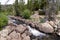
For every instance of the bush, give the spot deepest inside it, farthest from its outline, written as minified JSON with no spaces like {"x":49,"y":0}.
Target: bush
{"x":26,"y":14}
{"x":3,"y":20}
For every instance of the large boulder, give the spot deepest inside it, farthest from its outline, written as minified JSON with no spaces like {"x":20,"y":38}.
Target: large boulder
{"x":45,"y":27}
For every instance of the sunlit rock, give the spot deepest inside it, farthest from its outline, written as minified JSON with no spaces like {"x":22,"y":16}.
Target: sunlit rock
{"x":4,"y":33}
{"x":20,"y":28}
{"x":46,"y":27}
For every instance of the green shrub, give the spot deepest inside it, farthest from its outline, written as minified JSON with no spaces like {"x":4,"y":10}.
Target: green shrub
{"x":26,"y":14}
{"x":3,"y":20}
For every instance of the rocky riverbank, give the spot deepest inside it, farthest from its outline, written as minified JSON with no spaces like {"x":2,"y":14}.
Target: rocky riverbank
{"x":19,"y":31}
{"x":47,"y":27}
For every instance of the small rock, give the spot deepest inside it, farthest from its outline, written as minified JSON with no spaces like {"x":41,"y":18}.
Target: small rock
{"x":32,"y":24}
{"x":26,"y":38}
{"x":53,"y":24}
{"x":24,"y":35}
{"x":20,"y":28}
{"x":13,"y":34}
{"x":14,"y":39}
{"x":58,"y":32}
{"x":4,"y":33}
{"x":28,"y":33}
{"x":8,"y":38}
{"x":10,"y":29}
{"x":19,"y":36}
{"x":2,"y":38}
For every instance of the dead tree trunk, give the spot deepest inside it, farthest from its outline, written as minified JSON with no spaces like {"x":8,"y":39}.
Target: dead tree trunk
{"x":51,"y":10}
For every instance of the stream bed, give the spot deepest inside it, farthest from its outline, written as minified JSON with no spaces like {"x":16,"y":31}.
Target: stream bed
{"x":51,"y":36}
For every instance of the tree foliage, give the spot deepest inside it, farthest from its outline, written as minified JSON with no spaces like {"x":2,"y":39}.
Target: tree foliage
{"x":3,"y":20}
{"x":26,"y":14}
{"x":46,"y":5}
{"x":33,"y":4}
